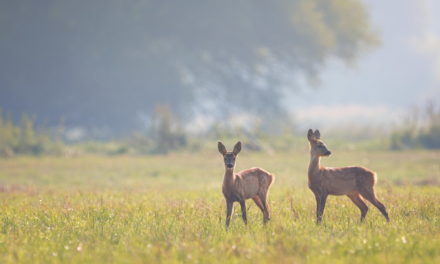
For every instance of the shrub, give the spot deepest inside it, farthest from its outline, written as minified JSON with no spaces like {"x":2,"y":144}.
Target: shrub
{"x":421,"y":130}
{"x":24,"y":138}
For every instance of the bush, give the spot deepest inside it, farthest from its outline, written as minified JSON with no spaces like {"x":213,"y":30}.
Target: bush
{"x":24,"y":138}
{"x":421,"y":130}
{"x":166,"y":130}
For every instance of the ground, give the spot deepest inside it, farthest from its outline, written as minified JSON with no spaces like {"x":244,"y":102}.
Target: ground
{"x":170,"y":209}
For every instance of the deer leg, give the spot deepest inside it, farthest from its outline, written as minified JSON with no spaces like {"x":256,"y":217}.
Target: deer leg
{"x":318,"y":208}
{"x":382,"y":209}
{"x":320,"y":205}
{"x":229,"y":208}
{"x":258,"y":203}
{"x":266,"y":213}
{"x":357,"y":200}
{"x":243,"y":211}
{"x":262,"y":208}
{"x":371,"y":196}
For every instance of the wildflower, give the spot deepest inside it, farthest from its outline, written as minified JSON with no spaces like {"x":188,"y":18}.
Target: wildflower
{"x":403,"y":239}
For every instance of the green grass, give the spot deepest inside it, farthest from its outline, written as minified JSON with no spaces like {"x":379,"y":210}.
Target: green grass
{"x":170,"y":209}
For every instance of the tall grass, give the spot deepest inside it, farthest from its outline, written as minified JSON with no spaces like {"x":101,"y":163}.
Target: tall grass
{"x":169,"y":209}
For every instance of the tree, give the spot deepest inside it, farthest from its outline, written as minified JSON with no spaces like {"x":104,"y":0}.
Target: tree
{"x":101,"y":63}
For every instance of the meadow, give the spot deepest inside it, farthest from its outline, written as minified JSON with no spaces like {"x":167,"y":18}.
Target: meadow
{"x":170,"y":209}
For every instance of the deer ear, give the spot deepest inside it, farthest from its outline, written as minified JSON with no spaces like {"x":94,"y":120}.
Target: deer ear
{"x":221,"y":148}
{"x":317,"y":134}
{"x":237,"y":148}
{"x":310,"y":135}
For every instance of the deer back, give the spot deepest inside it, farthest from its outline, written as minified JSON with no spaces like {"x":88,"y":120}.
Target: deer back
{"x":254,"y":181}
{"x":345,"y":180}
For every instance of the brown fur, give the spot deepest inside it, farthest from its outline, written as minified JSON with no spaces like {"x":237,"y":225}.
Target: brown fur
{"x":355,"y":182}
{"x":238,"y":187}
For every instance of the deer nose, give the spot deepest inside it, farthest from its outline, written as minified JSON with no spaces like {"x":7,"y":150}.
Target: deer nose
{"x":328,"y":153}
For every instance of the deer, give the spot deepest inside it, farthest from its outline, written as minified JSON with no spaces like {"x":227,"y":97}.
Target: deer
{"x":355,"y":182}
{"x":238,"y":187}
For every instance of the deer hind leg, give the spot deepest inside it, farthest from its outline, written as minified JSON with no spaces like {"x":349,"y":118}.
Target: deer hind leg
{"x":243,"y":211}
{"x":357,"y":200}
{"x":266,"y":213}
{"x":260,"y":205}
{"x":229,"y":208}
{"x":371,"y":196}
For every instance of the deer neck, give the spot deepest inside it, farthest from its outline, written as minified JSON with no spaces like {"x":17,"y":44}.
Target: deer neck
{"x":229,"y":178}
{"x":314,"y":166}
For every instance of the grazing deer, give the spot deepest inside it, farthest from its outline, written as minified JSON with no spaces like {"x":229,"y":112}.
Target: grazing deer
{"x":238,"y":187}
{"x":355,"y":182}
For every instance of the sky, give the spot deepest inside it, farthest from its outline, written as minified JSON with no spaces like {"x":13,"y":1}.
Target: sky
{"x":386,"y":82}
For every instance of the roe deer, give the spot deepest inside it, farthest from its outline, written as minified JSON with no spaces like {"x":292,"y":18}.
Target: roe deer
{"x":238,"y":187}
{"x":355,"y":182}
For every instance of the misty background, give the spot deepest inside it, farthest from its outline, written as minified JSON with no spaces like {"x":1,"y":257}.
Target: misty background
{"x":108,"y":69}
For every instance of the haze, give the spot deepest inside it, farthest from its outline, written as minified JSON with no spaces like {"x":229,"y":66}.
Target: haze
{"x":108,"y":66}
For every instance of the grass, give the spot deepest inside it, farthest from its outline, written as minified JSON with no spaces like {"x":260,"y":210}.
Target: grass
{"x":169,"y":209}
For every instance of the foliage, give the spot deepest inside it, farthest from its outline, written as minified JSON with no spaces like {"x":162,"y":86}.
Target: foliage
{"x":420,"y":130}
{"x":168,"y":133}
{"x":118,"y":60}
{"x":24,"y":138}
{"x":165,"y":134}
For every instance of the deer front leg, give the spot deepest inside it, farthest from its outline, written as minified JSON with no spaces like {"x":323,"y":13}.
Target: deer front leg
{"x":318,"y":208}
{"x":320,"y":205}
{"x":229,"y":207}
{"x":243,"y":211}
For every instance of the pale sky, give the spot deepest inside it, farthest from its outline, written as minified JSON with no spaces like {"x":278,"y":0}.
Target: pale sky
{"x":387,"y":81}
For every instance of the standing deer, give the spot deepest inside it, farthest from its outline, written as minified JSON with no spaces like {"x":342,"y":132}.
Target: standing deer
{"x":355,"y":182}
{"x":238,"y":187}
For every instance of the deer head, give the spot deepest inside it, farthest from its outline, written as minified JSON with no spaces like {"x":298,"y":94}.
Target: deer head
{"x":318,"y":147}
{"x":229,"y":157}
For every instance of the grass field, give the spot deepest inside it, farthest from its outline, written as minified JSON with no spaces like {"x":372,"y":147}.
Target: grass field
{"x":170,"y":209}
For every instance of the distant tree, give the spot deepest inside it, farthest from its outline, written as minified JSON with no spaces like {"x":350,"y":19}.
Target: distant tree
{"x":421,"y":129}
{"x":430,"y":136}
{"x":167,"y":132}
{"x":104,"y":62}
{"x":25,"y":139}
